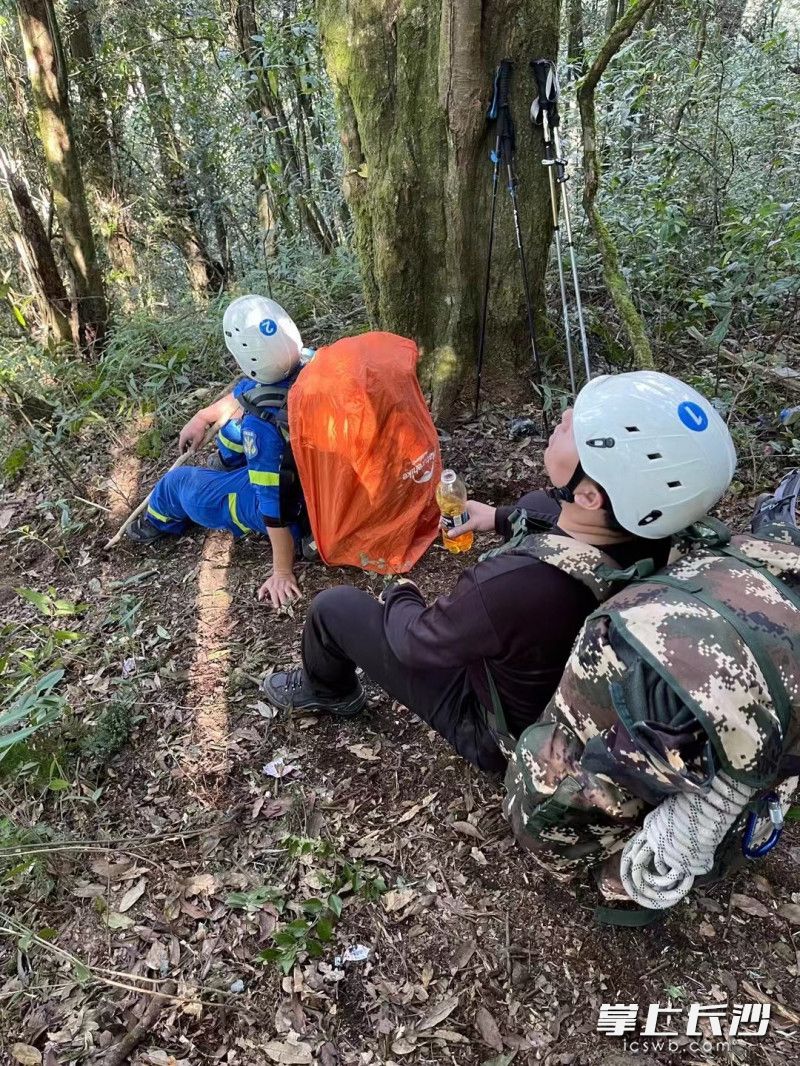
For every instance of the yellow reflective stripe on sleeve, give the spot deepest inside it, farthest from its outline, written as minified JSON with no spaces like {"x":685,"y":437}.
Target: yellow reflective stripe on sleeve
{"x":159,"y":516}
{"x":231,"y":445}
{"x":234,"y":515}
{"x":264,"y":477}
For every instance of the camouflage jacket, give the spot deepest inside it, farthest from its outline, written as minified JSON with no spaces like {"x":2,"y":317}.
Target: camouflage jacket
{"x":683,"y":673}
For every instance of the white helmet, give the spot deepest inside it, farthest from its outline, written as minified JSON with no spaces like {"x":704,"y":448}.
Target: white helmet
{"x":657,"y":448}
{"x":262,"y":338}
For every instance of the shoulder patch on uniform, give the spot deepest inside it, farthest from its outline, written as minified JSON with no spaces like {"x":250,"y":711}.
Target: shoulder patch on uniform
{"x":250,"y":442}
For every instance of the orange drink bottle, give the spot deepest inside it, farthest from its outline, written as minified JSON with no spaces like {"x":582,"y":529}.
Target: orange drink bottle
{"x":451,"y":496}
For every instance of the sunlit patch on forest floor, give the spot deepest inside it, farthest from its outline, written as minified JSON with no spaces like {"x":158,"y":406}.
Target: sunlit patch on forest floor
{"x":372,"y":834}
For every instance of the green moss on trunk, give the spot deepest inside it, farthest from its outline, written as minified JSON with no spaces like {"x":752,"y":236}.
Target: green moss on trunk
{"x":412,"y":80}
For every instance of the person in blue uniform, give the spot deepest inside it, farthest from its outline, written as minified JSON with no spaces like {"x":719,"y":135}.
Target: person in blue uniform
{"x":246,"y":491}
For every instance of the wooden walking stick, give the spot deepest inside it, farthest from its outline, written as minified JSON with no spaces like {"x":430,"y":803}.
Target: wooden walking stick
{"x":209,"y":435}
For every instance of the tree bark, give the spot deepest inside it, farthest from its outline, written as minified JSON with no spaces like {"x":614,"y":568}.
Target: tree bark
{"x":48,"y":78}
{"x":97,"y":149}
{"x":614,"y":278}
{"x":265,"y":102}
{"x":412,"y":84}
{"x":37,"y":259}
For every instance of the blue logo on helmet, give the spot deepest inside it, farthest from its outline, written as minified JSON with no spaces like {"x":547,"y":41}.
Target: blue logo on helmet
{"x":268,"y":327}
{"x":693,"y":416}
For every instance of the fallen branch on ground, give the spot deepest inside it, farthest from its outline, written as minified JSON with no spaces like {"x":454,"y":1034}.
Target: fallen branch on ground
{"x":125,"y":1048}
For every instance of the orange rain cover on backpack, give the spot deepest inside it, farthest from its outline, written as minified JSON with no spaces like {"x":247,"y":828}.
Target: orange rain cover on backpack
{"x":367,"y":453}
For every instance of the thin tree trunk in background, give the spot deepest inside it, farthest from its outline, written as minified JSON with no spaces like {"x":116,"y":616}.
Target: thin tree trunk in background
{"x":326,"y":171}
{"x":576,"y":46}
{"x":97,"y":150}
{"x":184,"y":228}
{"x":210,"y":181}
{"x":616,"y":284}
{"x":612,"y":7}
{"x":48,"y":78}
{"x":38,"y":261}
{"x":412,"y":85}
{"x":266,"y":104}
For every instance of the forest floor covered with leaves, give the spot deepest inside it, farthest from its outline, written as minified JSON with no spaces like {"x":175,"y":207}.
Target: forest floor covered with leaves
{"x":174,"y":830}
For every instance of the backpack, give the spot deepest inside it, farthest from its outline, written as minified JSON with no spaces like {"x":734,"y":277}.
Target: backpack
{"x":367,"y":453}
{"x":681,"y":675}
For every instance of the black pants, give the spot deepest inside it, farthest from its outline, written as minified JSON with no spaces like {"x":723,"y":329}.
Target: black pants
{"x":344,"y":629}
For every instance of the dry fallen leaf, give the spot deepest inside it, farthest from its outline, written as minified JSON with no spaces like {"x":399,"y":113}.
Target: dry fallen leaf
{"x":463,"y":955}
{"x":361,"y":751}
{"x":114,"y":920}
{"x":412,"y":812}
{"x":437,"y":1014}
{"x":468,"y":829}
{"x":157,"y":958}
{"x":397,"y":899}
{"x":487,"y":1027}
{"x":112,"y":871}
{"x":749,"y":905}
{"x":286,"y":1052}
{"x":201,"y":885}
{"x":790,"y":911}
{"x":328,"y":1055}
{"x":27,"y":1054}
{"x":707,"y":929}
{"x":134,"y":893}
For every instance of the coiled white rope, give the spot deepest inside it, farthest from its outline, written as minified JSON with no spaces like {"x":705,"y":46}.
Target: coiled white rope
{"x":678,"y":842}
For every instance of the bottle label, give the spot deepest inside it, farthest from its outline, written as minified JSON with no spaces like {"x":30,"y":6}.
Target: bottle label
{"x":453,"y":521}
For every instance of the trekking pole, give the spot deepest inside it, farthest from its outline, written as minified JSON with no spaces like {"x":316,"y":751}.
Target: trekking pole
{"x":491,"y":115}
{"x":507,"y":142}
{"x":545,"y":107}
{"x":541,"y":110}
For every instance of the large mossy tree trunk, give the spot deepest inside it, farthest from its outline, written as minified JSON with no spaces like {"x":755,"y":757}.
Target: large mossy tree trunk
{"x":412,"y":82}
{"x":48,"y":77}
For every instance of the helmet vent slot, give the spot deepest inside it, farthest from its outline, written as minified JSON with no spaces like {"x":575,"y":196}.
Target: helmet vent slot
{"x":648,"y":519}
{"x":632,"y":429}
{"x":654,"y":455}
{"x":673,"y":484}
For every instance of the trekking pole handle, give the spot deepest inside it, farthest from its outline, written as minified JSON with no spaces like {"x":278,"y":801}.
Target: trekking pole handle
{"x":546,"y":77}
{"x":503,"y":83}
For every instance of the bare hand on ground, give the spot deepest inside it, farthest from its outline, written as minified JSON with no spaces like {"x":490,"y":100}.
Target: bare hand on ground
{"x":280,"y":588}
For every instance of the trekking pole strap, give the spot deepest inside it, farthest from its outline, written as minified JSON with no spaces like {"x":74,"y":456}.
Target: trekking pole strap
{"x":544,"y":73}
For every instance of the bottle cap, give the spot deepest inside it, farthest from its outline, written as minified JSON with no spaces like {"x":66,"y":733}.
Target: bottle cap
{"x":448,"y":477}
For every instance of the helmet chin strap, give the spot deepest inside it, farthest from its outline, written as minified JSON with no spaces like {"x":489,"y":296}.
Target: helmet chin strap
{"x":566,"y":493}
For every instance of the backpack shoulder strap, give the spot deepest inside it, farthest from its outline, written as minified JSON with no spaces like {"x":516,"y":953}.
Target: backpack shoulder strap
{"x":586,"y":563}
{"x":589,"y":565}
{"x":269,"y":403}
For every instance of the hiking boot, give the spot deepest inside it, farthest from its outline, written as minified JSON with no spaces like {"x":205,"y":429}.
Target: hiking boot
{"x":289,"y":690}
{"x":142,"y":531}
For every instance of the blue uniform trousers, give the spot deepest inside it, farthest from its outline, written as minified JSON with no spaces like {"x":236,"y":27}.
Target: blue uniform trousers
{"x":216,"y":499}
